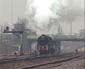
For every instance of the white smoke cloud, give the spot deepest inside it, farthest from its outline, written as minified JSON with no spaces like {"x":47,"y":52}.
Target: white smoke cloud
{"x":39,"y":13}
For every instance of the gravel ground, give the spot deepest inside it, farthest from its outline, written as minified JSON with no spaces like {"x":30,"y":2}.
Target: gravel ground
{"x":79,"y":64}
{"x":23,"y":64}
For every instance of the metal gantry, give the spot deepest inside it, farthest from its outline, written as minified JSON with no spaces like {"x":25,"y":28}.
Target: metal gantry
{"x":19,"y":32}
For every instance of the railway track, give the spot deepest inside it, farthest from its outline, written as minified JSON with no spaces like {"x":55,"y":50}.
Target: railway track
{"x":38,"y":62}
{"x":2,"y":61}
{"x":50,"y":64}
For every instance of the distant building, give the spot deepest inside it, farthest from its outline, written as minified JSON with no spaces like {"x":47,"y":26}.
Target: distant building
{"x":82,"y":33}
{"x":20,"y":25}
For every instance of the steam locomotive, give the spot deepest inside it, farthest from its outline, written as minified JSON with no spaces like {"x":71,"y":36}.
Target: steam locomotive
{"x":45,"y":45}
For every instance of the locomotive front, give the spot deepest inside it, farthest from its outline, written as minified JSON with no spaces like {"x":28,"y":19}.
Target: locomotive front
{"x":45,"y":44}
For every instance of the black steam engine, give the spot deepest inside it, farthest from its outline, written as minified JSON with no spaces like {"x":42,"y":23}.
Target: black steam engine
{"x":45,"y":45}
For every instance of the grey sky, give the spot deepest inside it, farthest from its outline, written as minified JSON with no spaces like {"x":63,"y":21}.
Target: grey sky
{"x":10,"y":10}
